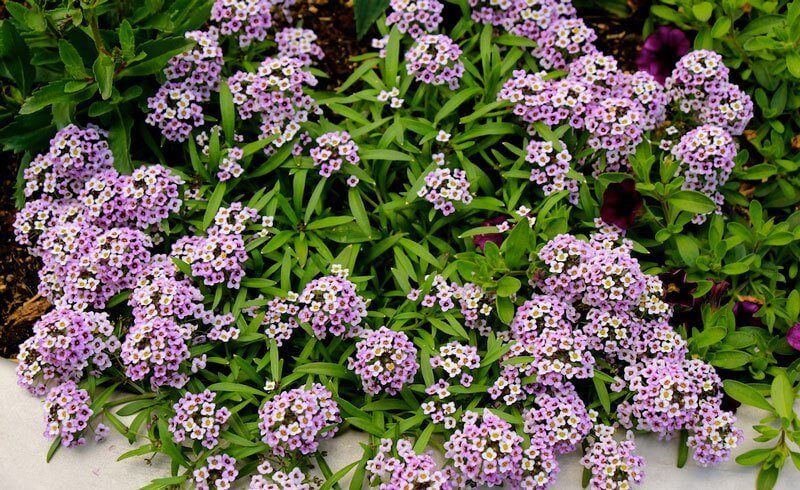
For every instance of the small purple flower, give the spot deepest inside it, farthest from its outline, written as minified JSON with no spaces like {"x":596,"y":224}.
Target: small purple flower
{"x":677,"y":290}
{"x":793,"y":336}
{"x":621,"y":204}
{"x":661,"y":51}
{"x":481,"y":240}
{"x":745,"y":312}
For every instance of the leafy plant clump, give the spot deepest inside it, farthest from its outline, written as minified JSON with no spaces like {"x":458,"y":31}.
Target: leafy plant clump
{"x":469,"y":246}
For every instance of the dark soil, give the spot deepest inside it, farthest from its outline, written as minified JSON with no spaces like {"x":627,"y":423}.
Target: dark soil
{"x":20,"y":306}
{"x":335,"y":25}
{"x":617,"y":36}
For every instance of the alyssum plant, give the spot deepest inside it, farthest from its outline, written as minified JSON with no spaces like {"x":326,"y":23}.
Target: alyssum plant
{"x":421,"y":256}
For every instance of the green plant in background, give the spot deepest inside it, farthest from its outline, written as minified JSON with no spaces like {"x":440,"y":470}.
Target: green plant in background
{"x":760,"y":41}
{"x":87,"y":59}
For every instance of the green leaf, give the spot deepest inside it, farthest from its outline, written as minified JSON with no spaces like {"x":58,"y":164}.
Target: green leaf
{"x":746,"y":394}
{"x":702,"y":11}
{"x":454,"y":102}
{"x":127,"y":40}
{"x":754,"y":457}
{"x":333,"y":479}
{"x":119,"y":141}
{"x":72,"y":60}
{"x":683,"y":449}
{"x":15,"y":56}
{"x":793,"y":63}
{"x":213,"y":204}
{"x":782,"y":396}
{"x":389,"y":155}
{"x":103,"y":69}
{"x":325,"y":368}
{"x":730,"y":359}
{"x":236,"y":388}
{"x":366,"y":13}
{"x":359,"y":211}
{"x":507,"y":286}
{"x":767,"y":477}
{"x":227,"y":110}
{"x":53,"y":93}
{"x":692,"y":201}
{"x":329,"y":222}
{"x":602,"y":393}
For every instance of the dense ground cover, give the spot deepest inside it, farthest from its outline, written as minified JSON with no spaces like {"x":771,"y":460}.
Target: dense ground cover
{"x":483,"y":237}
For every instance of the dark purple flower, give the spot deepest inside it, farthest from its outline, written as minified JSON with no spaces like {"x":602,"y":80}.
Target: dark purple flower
{"x":481,"y":240}
{"x":717,"y":291}
{"x":621,"y":204}
{"x":793,"y":336}
{"x":677,"y":290}
{"x":745,"y":311}
{"x":661,"y":51}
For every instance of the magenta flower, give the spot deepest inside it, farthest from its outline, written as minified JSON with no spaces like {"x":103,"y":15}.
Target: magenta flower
{"x":793,"y":336}
{"x":621,"y":204}
{"x":481,"y":240}
{"x":745,"y":312}
{"x":661,"y":51}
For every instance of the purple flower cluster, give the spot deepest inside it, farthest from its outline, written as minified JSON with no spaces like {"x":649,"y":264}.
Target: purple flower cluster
{"x":229,"y":166}
{"x":474,"y":302}
{"x":157,"y":347}
{"x":63,"y":344}
{"x":247,"y":19}
{"x":270,"y":479}
{"x":218,"y":257}
{"x":298,"y":419}
{"x":707,"y":159}
{"x":385,"y":360}
{"x":332,"y":305}
{"x":456,"y":358}
{"x":275,"y":92}
{"x":332,"y":150}
{"x":616,"y":127}
{"x":613,"y":464}
{"x":488,"y":451}
{"x":299,"y":43}
{"x":200,"y":67}
{"x":280,"y":318}
{"x":197,"y":417}
{"x":175,"y":110}
{"x":439,"y":411}
{"x":641,"y":87}
{"x":714,"y":435}
{"x":408,"y":469}
{"x":67,"y":414}
{"x":433,"y":59}
{"x":699,"y":85}
{"x":557,"y":417}
{"x":564,"y":41}
{"x":415,"y":17}
{"x":218,"y":473}
{"x":550,"y":168}
{"x":75,"y":156}
{"x":444,"y":187}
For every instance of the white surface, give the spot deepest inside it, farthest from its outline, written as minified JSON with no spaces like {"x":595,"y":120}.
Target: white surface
{"x":94,"y":466}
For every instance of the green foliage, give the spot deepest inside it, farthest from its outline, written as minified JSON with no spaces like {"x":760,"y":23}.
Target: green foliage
{"x":760,"y":42}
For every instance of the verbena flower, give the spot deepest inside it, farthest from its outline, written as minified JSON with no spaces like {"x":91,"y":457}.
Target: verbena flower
{"x":407,"y":469}
{"x":385,"y":360}
{"x":334,"y":149}
{"x":564,"y":41}
{"x":300,"y":44}
{"x":219,"y":473}
{"x":444,"y":188}
{"x":550,"y":168}
{"x":67,"y":413}
{"x":157,"y":348}
{"x":270,"y":479}
{"x":706,"y":155}
{"x":200,"y":67}
{"x":415,"y":17}
{"x":332,"y":305}
{"x":558,"y":417}
{"x":248,"y":20}
{"x":298,"y":419}
{"x":275,"y":93}
{"x":197,"y":417}
{"x":65,"y":342}
{"x":457,"y":359}
{"x":175,"y":110}
{"x":613,"y":463}
{"x":75,"y":156}
{"x":433,"y":59}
